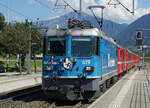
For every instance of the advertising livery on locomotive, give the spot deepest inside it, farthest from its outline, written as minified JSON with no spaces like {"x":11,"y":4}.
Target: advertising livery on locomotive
{"x":81,"y":63}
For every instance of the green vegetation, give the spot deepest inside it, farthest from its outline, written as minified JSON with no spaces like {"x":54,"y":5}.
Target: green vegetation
{"x":2,"y":23}
{"x":147,"y":58}
{"x":38,"y":63}
{"x":14,"y":40}
{"x":12,"y":65}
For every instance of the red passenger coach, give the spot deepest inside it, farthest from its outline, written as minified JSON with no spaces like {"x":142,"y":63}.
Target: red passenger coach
{"x":120,"y":60}
{"x":130,"y":60}
{"x":126,"y":60}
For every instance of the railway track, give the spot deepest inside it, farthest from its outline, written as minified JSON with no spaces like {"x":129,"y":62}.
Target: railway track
{"x":34,"y":98}
{"x":69,"y":104}
{"x":6,"y":100}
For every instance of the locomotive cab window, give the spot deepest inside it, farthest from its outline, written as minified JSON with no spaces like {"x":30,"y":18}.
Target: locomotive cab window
{"x":56,"y":46}
{"x":84,"y":46}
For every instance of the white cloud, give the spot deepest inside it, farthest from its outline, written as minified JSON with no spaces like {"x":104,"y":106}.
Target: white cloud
{"x":120,"y":14}
{"x":117,"y":14}
{"x":50,"y":18}
{"x":141,"y":11}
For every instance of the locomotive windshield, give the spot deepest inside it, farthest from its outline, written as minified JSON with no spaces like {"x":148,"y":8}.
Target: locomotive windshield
{"x":84,"y":46}
{"x":56,"y":46}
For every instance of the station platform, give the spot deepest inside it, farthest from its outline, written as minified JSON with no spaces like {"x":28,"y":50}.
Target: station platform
{"x":10,"y":82}
{"x":132,"y":91}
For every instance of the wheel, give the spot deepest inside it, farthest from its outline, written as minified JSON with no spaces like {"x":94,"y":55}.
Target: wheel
{"x":114,"y":79}
{"x":103,"y":87}
{"x":108,"y":83}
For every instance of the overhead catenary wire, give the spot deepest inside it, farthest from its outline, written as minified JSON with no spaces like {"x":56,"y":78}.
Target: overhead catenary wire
{"x":119,"y":3}
{"x":17,"y":12}
{"x":60,"y":5}
{"x":7,"y":16}
{"x":41,"y":3}
{"x":22,"y":15}
{"x":67,"y":4}
{"x":71,"y":7}
{"x":46,"y":6}
{"x":126,"y":7}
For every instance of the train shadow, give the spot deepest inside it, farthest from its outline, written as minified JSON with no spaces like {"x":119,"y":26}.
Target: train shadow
{"x":40,"y":97}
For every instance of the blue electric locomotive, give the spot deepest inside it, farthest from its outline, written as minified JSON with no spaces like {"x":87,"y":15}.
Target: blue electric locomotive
{"x":77,"y":63}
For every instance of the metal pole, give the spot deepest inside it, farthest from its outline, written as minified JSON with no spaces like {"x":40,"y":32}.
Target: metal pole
{"x":80,"y":7}
{"x":142,"y":53}
{"x":143,"y":56}
{"x":29,"y":54}
{"x":143,"y":59}
{"x":7,"y":56}
{"x":30,"y":49}
{"x":102,"y":19}
{"x":20,"y":68}
{"x":7,"y":13}
{"x":133,"y":8}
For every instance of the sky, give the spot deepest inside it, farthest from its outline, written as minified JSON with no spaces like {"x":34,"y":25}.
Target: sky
{"x":19,"y":10}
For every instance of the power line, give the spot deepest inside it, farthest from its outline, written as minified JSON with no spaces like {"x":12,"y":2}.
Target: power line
{"x":126,"y":7}
{"x":67,"y":4}
{"x":44,"y":5}
{"x":24,"y":16}
{"x":13,"y":10}
{"x":41,"y":3}
{"x":118,"y":2}
{"x":7,"y":16}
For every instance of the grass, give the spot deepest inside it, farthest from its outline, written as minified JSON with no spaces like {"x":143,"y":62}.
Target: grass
{"x":12,"y":64}
{"x":38,"y":63}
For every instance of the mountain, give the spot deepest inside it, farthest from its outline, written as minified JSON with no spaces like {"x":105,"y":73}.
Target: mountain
{"x":109,"y":27}
{"x":127,"y":36}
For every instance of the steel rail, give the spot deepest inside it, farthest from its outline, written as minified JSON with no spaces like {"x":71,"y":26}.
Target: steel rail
{"x":9,"y":98}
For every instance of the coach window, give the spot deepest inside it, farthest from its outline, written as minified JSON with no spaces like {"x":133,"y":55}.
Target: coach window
{"x":124,"y":54}
{"x":129,"y":57}
{"x":121,"y":54}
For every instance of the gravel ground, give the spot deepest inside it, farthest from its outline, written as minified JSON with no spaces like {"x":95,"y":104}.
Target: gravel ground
{"x":38,"y":100}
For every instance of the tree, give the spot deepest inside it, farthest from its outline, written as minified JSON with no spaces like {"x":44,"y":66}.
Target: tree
{"x":2,"y":24}
{"x":2,"y":21}
{"x":15,"y":39}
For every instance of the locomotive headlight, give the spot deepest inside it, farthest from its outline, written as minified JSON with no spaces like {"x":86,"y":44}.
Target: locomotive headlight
{"x":47,"y":68}
{"x":89,"y":68}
